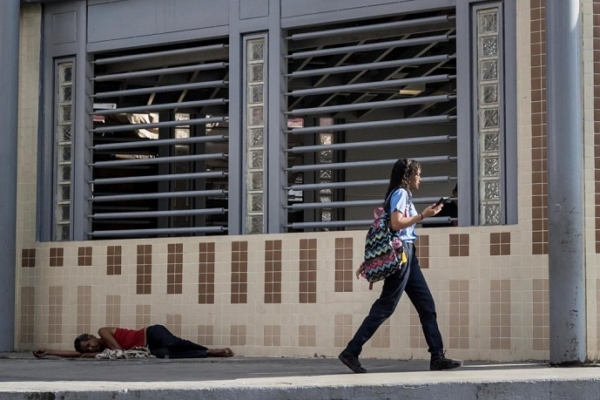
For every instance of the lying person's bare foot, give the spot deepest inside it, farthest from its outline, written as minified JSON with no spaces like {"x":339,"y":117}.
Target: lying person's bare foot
{"x":227,"y":352}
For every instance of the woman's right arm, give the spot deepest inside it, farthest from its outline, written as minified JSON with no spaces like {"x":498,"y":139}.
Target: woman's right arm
{"x":399,"y":221}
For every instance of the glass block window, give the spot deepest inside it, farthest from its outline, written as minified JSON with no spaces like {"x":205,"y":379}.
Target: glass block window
{"x":63,"y":140}
{"x":489,"y":111}
{"x":254,"y":127}
{"x":325,"y":176}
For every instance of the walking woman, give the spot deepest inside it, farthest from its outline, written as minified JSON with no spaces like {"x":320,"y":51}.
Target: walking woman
{"x":406,"y":176}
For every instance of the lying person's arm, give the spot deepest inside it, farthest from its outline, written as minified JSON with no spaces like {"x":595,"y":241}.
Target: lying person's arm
{"x":107,"y":336}
{"x":41,"y":353}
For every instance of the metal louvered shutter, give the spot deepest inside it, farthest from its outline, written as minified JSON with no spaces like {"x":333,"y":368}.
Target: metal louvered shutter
{"x":160,"y":142}
{"x":361,"y":95}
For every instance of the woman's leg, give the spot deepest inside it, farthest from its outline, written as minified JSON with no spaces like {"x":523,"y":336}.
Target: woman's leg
{"x":419,"y":294}
{"x":381,"y":310}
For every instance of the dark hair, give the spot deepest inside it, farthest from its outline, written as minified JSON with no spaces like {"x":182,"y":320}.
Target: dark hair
{"x":84,"y":337}
{"x":402,"y":172}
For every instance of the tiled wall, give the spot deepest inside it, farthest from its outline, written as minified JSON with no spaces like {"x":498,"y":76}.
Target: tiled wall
{"x":296,"y":294}
{"x":591,"y":123}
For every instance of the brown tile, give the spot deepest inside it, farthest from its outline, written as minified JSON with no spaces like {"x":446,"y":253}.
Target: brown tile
{"x":458,"y":317}
{"x":500,"y":314}
{"x":307,"y":271}
{"x":26,"y":326}
{"x":343,"y":265}
{"x":307,"y":336}
{"x":175,"y":268}
{"x":84,"y":309}
{"x":237,"y":335}
{"x":342,"y":332}
{"x":113,"y":310}
{"x":454,"y":251}
{"x":272,"y":335}
{"x":206,"y":335}
{"x":143,"y":315}
{"x":422,"y":251}
{"x":538,"y":152}
{"x":28,"y":258}
{"x":84,"y":256}
{"x":540,"y":319}
{"x":494,"y":250}
{"x":239,"y":272}
{"x":273,"y":267}
{"x":144,"y":269}
{"x":454,"y":239}
{"x":494,"y":238}
{"x":55,"y":312}
{"x":174,"y":323}
{"x":417,"y":340}
{"x":113,"y":260}
{"x":56,"y":256}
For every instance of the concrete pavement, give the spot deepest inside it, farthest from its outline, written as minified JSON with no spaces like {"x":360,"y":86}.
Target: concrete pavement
{"x":24,"y":377}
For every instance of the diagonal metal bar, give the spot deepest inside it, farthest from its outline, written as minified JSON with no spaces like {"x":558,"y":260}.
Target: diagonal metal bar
{"x":321,"y":101}
{"x":386,"y":75}
{"x":332,"y":62}
{"x":421,"y":71}
{"x":416,"y":110}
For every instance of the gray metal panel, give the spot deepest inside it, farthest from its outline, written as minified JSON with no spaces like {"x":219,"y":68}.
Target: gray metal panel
{"x":277,"y":123}
{"x":343,"y":10}
{"x":138,"y":18}
{"x":465,"y":150}
{"x":61,"y":28}
{"x":82,"y":142}
{"x":165,"y":38}
{"x":45,"y":142}
{"x":64,"y":27}
{"x":510,"y":111}
{"x":254,"y":9}
{"x":235,"y":216}
{"x":9,"y":100}
{"x":294,"y":8}
{"x":56,"y":44}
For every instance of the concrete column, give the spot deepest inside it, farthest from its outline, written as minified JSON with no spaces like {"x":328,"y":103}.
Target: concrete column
{"x":565,"y":182}
{"x":9,"y":100}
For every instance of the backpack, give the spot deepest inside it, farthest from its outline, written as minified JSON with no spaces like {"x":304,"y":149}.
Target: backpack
{"x":383,"y":250}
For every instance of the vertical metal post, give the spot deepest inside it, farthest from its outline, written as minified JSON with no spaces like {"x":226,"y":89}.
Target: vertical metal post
{"x":236,"y":148}
{"x":277,"y":123}
{"x":82,"y":139}
{"x":565,"y":183}
{"x":9,"y":99}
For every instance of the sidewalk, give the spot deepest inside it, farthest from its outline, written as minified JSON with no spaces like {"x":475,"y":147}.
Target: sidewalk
{"x":24,"y":377}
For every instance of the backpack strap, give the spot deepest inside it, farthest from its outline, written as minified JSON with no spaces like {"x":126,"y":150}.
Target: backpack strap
{"x":388,"y":199}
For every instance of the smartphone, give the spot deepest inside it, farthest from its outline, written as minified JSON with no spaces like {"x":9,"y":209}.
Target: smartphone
{"x":442,"y":200}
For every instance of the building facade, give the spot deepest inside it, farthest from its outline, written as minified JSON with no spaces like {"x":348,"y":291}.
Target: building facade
{"x":212,"y":166}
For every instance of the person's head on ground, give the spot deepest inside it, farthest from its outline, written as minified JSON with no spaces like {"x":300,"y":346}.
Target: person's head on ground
{"x":86,"y":343}
{"x":406,"y":174}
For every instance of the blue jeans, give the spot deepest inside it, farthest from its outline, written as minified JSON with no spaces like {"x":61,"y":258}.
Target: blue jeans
{"x":162,"y":343}
{"x":413,"y":283}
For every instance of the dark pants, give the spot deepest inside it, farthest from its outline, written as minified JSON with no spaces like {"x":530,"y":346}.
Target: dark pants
{"x":162,"y":343}
{"x":413,"y":282}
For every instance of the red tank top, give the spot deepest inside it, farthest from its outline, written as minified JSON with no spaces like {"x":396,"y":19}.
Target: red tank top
{"x":129,"y":338}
